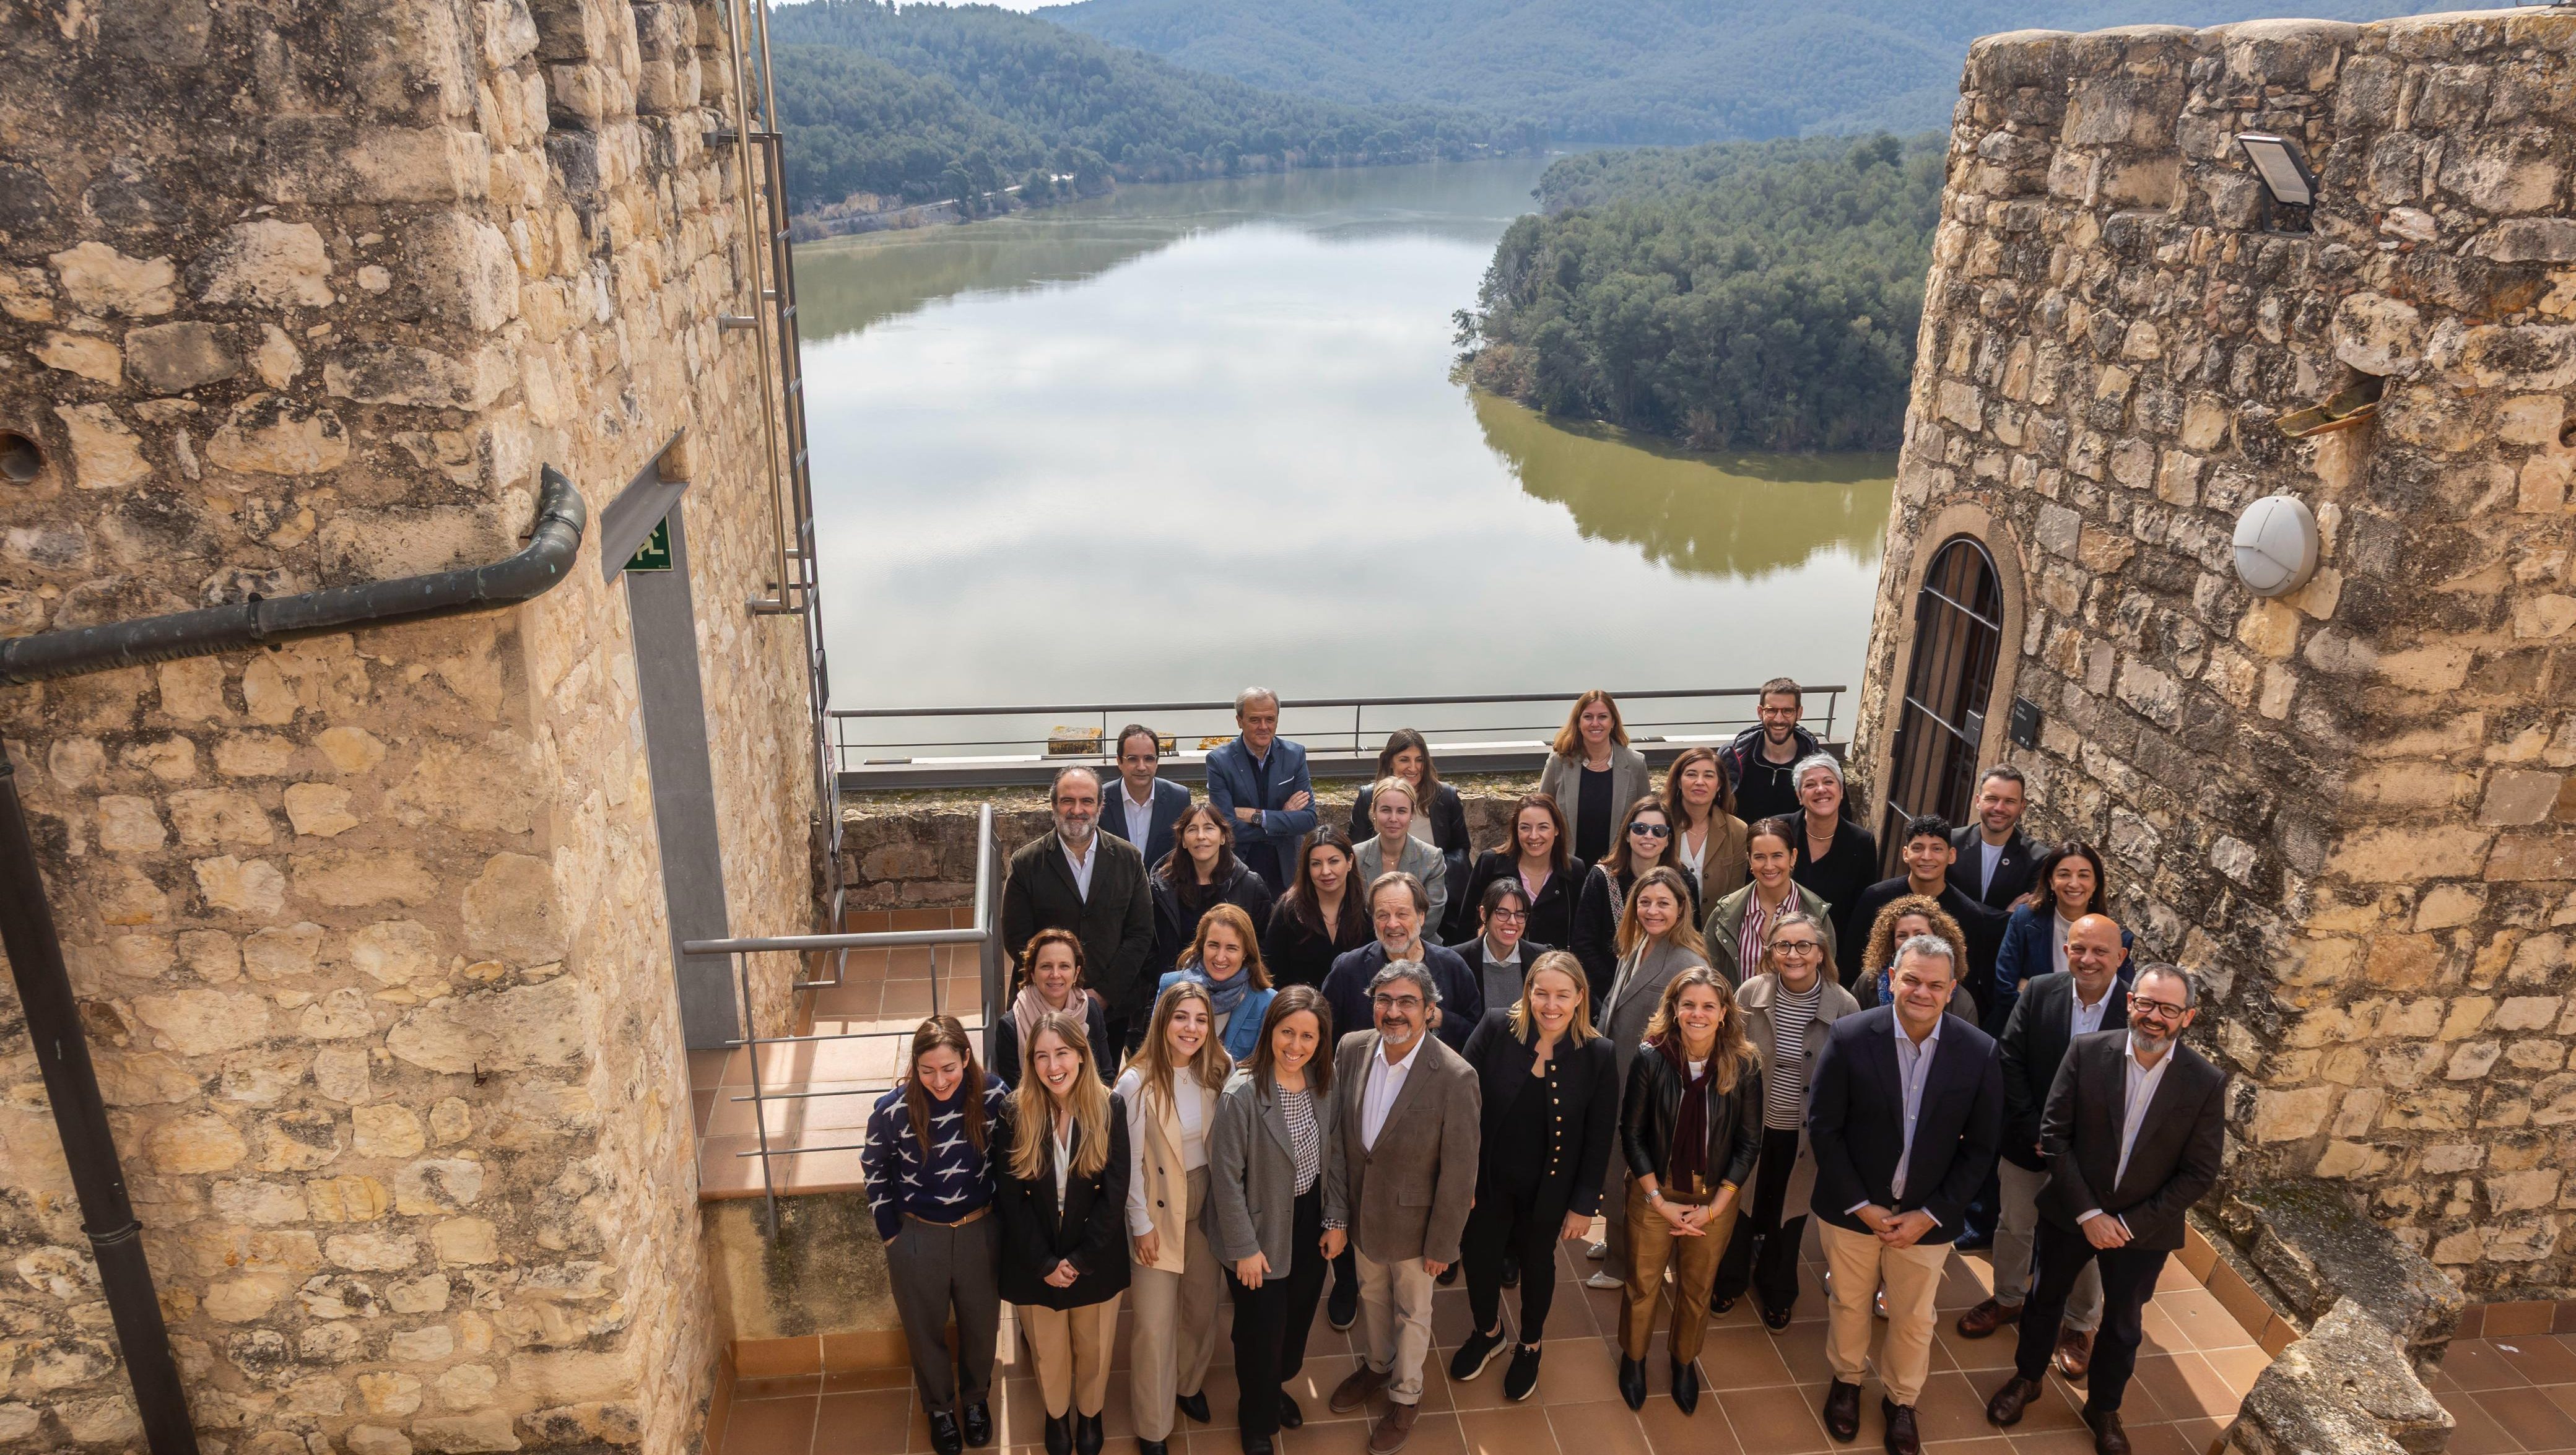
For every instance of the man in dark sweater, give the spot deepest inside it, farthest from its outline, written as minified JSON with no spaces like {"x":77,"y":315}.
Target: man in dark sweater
{"x":1928,"y":857}
{"x":1759,"y":760}
{"x":1080,"y":879}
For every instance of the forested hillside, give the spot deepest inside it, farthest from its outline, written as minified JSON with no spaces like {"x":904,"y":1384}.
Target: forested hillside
{"x":1738,"y":295}
{"x":927,"y":100}
{"x":1636,"y":70}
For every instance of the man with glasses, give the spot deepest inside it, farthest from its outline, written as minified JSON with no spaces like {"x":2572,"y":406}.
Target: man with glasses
{"x":1079,"y":879}
{"x":1789,"y":1010}
{"x":2052,"y":1012}
{"x":1138,"y":805}
{"x":1759,"y":761}
{"x":1259,"y":782}
{"x":2133,"y":1132}
{"x":1400,"y":1174}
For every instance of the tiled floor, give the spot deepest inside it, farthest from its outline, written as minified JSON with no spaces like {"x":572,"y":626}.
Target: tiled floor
{"x":1760,"y":1398}
{"x":2510,"y":1393}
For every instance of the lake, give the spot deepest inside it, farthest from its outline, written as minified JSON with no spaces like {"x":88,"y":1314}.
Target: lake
{"x":1170,"y":441}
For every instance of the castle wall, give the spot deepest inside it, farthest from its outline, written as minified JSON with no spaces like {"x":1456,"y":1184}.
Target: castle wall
{"x":2349,"y":807}
{"x":368,"y":931}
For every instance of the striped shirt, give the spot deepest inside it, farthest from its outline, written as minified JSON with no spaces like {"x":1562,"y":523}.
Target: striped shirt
{"x":1784,"y":1079}
{"x":1305,"y":1141}
{"x":1757,"y":918}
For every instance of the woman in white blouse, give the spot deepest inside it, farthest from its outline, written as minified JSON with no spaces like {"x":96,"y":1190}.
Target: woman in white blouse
{"x":1170,"y":1088}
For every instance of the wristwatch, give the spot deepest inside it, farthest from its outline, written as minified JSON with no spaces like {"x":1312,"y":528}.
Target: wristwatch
{"x":1654,"y":1194}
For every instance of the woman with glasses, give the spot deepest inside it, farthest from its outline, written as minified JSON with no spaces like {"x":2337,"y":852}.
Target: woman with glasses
{"x":1645,"y":845}
{"x":1837,"y":858}
{"x":1789,"y":1009}
{"x":1537,"y":855}
{"x":1740,"y":924}
{"x":1593,"y":773}
{"x":1708,"y":839}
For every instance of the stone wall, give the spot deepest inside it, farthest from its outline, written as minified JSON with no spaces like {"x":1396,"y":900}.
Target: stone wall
{"x":368,"y":931}
{"x":2349,"y":806}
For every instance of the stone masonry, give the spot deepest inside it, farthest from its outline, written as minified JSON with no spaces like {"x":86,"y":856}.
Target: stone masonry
{"x":2353,"y":808}
{"x":368,"y":931}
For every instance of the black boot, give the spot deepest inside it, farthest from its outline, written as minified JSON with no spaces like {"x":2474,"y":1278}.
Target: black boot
{"x":1087,"y":1435}
{"x":1686,"y":1385}
{"x":1059,"y":1434}
{"x":1632,"y":1382}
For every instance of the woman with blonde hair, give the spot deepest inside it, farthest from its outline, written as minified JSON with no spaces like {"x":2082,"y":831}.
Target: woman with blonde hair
{"x":1708,"y":839}
{"x":1049,"y":977}
{"x":1550,"y":1084}
{"x":1439,"y":817}
{"x":1170,"y":1088}
{"x":1224,"y":959}
{"x":1901,"y":919}
{"x":1690,"y":1122}
{"x":1062,"y":1165}
{"x":1592,"y":773}
{"x":1656,"y":942}
{"x":1394,"y":809}
{"x":927,"y":1164}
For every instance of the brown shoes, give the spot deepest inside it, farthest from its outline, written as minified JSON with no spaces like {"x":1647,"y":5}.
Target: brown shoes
{"x":2006,"y":1407}
{"x":1985,"y":1318}
{"x":2074,"y":1355}
{"x":2108,"y":1437}
{"x":1396,"y":1426}
{"x":1359,"y":1388}
{"x":1901,"y":1436}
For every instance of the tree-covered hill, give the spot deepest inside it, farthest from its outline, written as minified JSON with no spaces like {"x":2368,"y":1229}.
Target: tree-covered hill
{"x":922,"y":100}
{"x":1737,"y":295}
{"x":1637,"y":70}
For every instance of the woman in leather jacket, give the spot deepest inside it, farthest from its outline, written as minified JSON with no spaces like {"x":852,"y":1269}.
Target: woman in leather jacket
{"x":1691,"y":1126}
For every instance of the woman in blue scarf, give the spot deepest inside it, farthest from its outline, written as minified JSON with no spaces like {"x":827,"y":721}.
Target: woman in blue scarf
{"x":1225,"y":957}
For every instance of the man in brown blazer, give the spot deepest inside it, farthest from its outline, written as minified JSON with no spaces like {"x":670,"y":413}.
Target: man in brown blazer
{"x":1410,"y":1128}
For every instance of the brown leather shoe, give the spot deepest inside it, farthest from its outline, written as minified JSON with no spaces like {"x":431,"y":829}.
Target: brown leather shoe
{"x":1985,"y":1318}
{"x":1359,"y":1387}
{"x":2108,"y":1436}
{"x":2074,"y":1354}
{"x":1901,"y":1436}
{"x":1842,"y":1410}
{"x":2006,"y":1407}
{"x":1396,"y":1426}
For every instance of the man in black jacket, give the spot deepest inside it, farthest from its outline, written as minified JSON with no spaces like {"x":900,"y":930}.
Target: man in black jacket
{"x":1995,"y":861}
{"x":1398,"y":905}
{"x":1080,"y":879}
{"x":1928,"y":856}
{"x":1136,"y":805}
{"x":1759,"y":760}
{"x":2052,"y":1011}
{"x":2133,"y":1132}
{"x":1904,"y":1117}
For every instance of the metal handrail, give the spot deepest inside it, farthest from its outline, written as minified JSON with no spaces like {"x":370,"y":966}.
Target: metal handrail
{"x":739,"y":949}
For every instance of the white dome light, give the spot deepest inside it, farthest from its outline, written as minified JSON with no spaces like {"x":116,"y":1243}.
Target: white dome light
{"x":2276,"y":545}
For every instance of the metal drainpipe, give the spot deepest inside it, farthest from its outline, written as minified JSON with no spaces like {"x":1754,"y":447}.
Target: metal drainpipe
{"x":35,"y":950}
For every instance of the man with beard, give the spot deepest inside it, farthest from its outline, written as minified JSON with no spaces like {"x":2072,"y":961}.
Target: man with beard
{"x":1092,"y":884}
{"x":2133,"y":1133}
{"x":1995,"y":861}
{"x":1758,"y":762}
{"x":1401,"y":1177}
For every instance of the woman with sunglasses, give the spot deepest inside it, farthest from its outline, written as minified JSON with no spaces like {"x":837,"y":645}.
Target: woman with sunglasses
{"x":1645,"y":844}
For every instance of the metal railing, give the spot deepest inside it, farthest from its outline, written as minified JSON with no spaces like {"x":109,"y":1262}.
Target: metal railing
{"x":1491,"y":732}
{"x":984,"y":933}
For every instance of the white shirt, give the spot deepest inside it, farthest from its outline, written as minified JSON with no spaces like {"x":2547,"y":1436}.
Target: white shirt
{"x":1082,"y":866}
{"x":2137,"y":1092}
{"x":2057,"y":936}
{"x":2088,"y":1018}
{"x":1140,"y":816}
{"x":1688,"y":857}
{"x":1385,"y":1084}
{"x":1913,"y":1069}
{"x":1988,"y":857}
{"x":1063,"y":1160}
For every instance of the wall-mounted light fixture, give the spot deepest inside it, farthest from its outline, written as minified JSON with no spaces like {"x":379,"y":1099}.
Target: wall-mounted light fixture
{"x":2287,"y":183}
{"x":2276,"y":545}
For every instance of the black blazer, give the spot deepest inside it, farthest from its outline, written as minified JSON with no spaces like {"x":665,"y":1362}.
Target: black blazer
{"x":1848,"y":869}
{"x":1595,"y":938}
{"x":1983,"y":927}
{"x":1652,"y":1106}
{"x":1448,"y":835}
{"x":1090,"y":1229}
{"x":1551,"y":920}
{"x":1856,"y":1122}
{"x":1006,"y":1044}
{"x":1174,"y":929}
{"x":1169,"y":799}
{"x":2012,"y":872}
{"x":2033,"y":1047}
{"x":1116,"y":925}
{"x":1470,"y":948}
{"x":1587,"y":1102}
{"x":1297,"y":955}
{"x":2174,"y":1163}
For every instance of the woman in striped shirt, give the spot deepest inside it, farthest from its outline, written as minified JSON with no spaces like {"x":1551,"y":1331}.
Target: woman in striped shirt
{"x":1740,"y":924}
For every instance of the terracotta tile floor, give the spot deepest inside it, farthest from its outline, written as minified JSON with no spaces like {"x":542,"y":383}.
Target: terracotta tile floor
{"x":2510,"y":1394}
{"x":1761,"y":1394}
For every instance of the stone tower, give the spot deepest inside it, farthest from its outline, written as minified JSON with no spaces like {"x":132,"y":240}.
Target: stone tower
{"x":370,"y":932}
{"x":2350,"y":807}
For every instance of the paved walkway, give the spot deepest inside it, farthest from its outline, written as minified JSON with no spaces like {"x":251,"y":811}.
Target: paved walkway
{"x":2512,"y":1394}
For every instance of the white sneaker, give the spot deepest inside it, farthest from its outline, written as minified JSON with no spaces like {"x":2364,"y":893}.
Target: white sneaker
{"x":1603,"y":1280}
{"x":1596,"y":1251}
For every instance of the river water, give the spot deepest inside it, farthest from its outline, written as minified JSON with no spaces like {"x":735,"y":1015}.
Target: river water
{"x":1185,"y":437}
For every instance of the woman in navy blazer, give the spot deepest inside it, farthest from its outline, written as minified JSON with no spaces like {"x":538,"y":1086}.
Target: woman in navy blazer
{"x":2066,"y":885}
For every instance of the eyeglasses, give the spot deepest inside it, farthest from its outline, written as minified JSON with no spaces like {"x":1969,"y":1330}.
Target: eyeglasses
{"x":2163,"y":1010}
{"x":1797,"y":947}
{"x":1396,"y":1002}
{"x":1651,"y":830}
{"x":1510,"y":914}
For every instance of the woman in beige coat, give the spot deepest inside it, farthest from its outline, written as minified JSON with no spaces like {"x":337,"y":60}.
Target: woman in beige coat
{"x":1170,"y":1089}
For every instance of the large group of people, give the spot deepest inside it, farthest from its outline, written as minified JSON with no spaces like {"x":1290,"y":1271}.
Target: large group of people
{"x":1251,"y":1054}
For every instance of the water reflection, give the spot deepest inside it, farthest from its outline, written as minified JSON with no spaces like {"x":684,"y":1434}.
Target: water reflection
{"x":1708,"y":515}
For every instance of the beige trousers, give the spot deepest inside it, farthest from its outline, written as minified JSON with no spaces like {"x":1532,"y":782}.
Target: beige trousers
{"x":1913,"y":1276}
{"x":1175,"y":1333}
{"x":1395,"y":1322}
{"x":1072,"y":1349}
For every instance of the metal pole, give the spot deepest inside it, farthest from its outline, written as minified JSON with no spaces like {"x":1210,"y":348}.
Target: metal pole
{"x":80,"y":1115}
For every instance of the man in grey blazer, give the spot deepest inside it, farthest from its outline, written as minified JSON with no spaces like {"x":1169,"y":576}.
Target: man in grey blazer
{"x":1409,"y":1123}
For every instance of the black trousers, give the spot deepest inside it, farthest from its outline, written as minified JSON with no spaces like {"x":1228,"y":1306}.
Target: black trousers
{"x":1763,"y":1254}
{"x":1271,"y":1322}
{"x":1503,"y":1227}
{"x":2128,"y":1281}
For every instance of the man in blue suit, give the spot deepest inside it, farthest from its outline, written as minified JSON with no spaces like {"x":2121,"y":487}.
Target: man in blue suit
{"x":1137,"y":805}
{"x":1259,"y":782}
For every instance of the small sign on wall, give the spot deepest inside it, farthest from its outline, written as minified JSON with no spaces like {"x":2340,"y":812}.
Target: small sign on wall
{"x":2025,"y":723}
{"x":655,"y":553}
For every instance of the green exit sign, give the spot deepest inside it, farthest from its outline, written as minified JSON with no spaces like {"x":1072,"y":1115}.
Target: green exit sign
{"x":655,"y":553}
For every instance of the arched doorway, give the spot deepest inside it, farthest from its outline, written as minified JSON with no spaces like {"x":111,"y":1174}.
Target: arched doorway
{"x":1958,"y":634}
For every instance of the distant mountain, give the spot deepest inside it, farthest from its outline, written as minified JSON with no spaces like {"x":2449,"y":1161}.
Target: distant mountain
{"x":1636,"y":70}
{"x":935,"y":101}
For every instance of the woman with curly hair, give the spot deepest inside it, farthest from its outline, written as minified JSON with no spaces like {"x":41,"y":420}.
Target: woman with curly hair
{"x":1901,"y":920}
